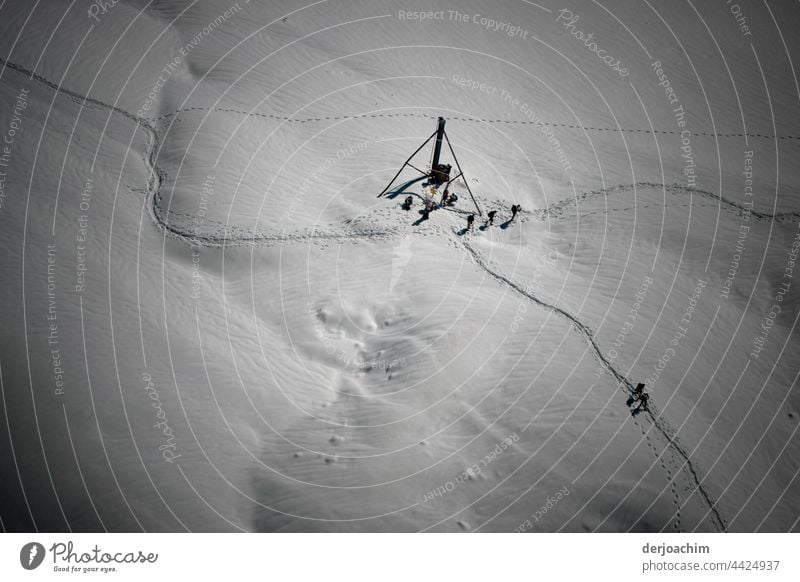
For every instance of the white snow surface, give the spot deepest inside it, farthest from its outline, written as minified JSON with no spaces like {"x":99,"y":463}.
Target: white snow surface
{"x":324,"y":363}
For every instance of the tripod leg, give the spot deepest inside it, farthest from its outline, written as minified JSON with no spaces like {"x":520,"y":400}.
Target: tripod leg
{"x":455,"y":159}
{"x":406,"y":163}
{"x":447,"y":186}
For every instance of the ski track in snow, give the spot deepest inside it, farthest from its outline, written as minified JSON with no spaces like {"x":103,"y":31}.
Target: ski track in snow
{"x":468,"y":119}
{"x":651,"y":412}
{"x":227,"y":235}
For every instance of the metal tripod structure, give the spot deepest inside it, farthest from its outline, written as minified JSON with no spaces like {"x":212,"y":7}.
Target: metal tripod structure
{"x":441,"y":135}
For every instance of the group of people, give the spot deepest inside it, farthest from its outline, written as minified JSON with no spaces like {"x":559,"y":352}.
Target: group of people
{"x":515,"y":208}
{"x":449,"y":199}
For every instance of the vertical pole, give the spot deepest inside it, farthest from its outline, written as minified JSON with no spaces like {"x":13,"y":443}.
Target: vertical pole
{"x":437,"y":150}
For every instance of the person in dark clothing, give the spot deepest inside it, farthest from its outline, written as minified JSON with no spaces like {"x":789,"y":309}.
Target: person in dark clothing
{"x":408,"y":202}
{"x":642,"y":404}
{"x":426,"y":210}
{"x":491,"y":216}
{"x":470,"y":220}
{"x":445,"y":197}
{"x":637,"y":394}
{"x":514,"y":209}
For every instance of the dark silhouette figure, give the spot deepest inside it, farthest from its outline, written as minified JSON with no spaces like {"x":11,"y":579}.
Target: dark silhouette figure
{"x":514,"y":209}
{"x":491,"y":216}
{"x":445,"y":197}
{"x":407,"y":203}
{"x":637,"y":394}
{"x":640,"y":398}
{"x":470,"y":220}
{"x":642,"y":407}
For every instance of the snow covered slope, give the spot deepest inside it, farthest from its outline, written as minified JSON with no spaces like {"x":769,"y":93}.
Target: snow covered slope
{"x":212,"y":322}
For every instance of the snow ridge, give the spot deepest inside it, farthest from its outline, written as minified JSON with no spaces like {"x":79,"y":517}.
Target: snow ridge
{"x":556,"y":209}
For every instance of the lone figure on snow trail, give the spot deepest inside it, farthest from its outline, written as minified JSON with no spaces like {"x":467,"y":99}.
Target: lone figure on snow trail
{"x":514,"y":209}
{"x":640,"y":397}
{"x":470,"y":220}
{"x":642,"y":404}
